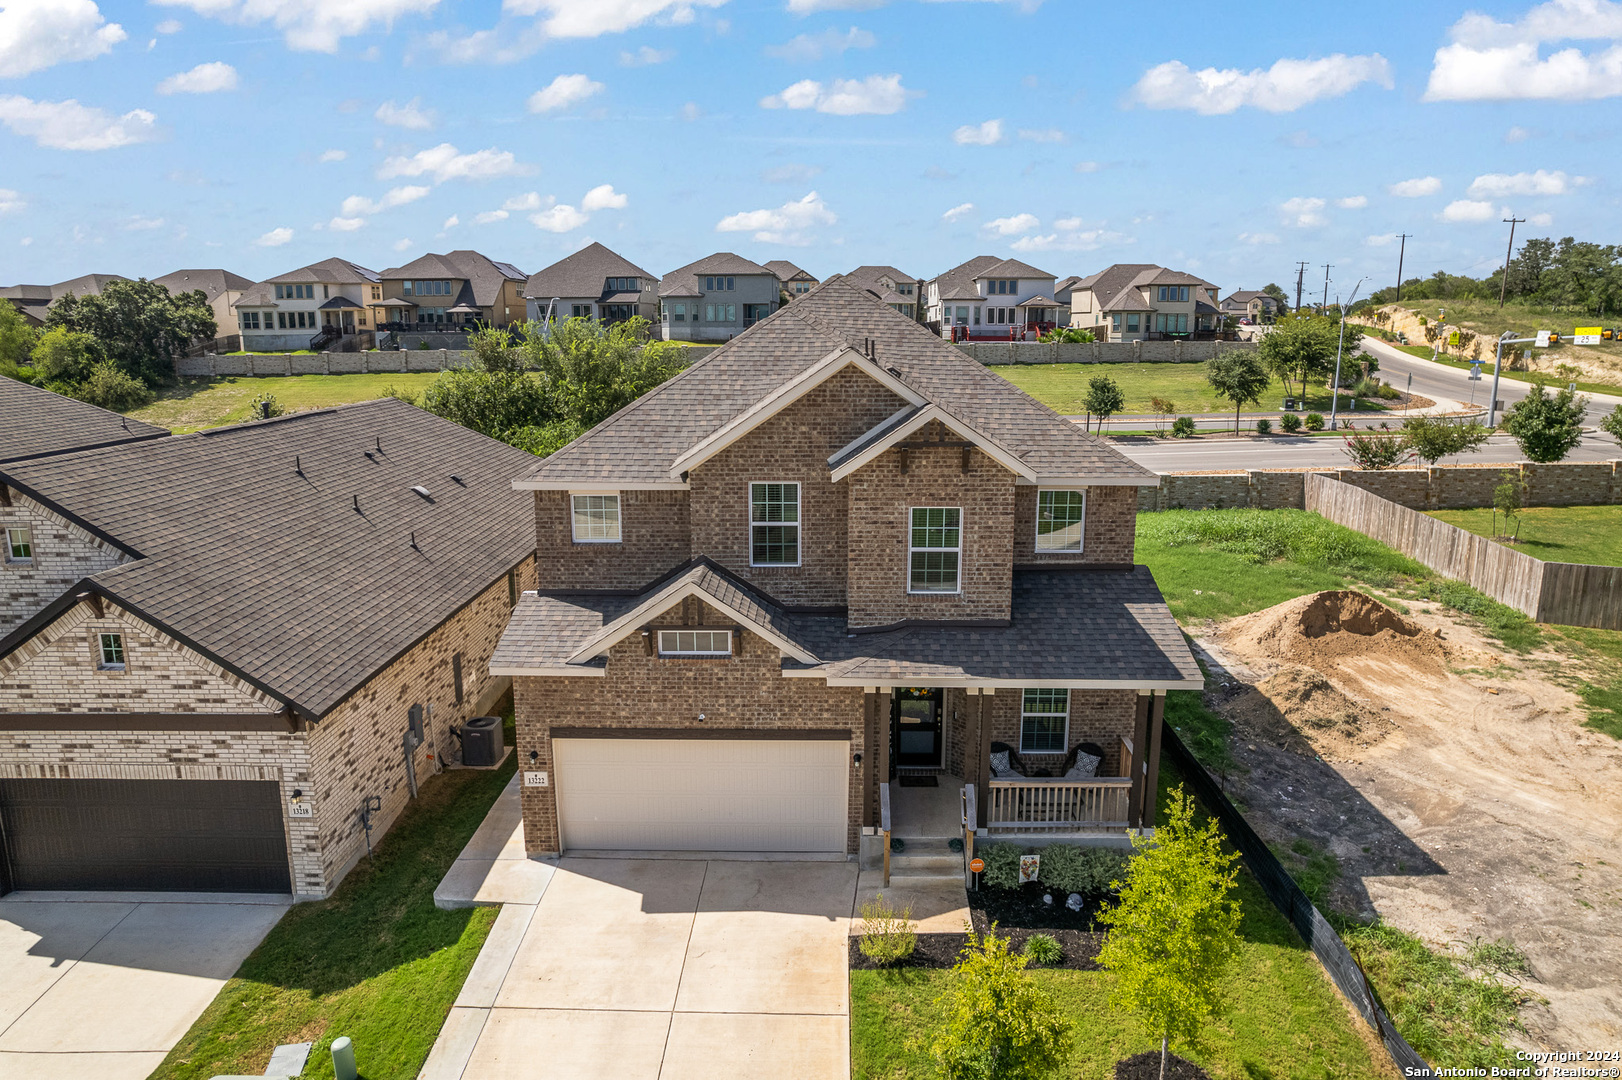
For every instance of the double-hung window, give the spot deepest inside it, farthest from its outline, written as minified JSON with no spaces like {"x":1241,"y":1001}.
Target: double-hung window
{"x":596,"y":518}
{"x":695,"y":643}
{"x":1060,"y":520}
{"x":774,"y":524}
{"x":934,"y":549}
{"x":1044,"y":721}
{"x":20,"y":545}
{"x":111,"y":648}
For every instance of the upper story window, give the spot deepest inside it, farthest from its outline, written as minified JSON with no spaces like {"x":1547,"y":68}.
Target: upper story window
{"x":111,"y":650}
{"x":426,"y":288}
{"x":596,"y":519}
{"x":295,"y":292}
{"x":1044,"y":721}
{"x":905,"y":288}
{"x":1173,"y":293}
{"x":934,"y":549}
{"x":1060,"y":520}
{"x":695,"y":643}
{"x":20,"y":545}
{"x":718,"y":284}
{"x":1002,"y":287}
{"x":774,"y":524}
{"x":624,"y":284}
{"x":377,"y":292}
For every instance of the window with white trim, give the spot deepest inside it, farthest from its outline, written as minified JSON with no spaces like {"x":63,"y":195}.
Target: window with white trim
{"x":596,"y":519}
{"x":111,"y":648}
{"x":20,"y":545}
{"x":774,"y":524}
{"x":935,"y":549}
{"x":1060,"y":519}
{"x":695,"y":643}
{"x":1044,"y":721}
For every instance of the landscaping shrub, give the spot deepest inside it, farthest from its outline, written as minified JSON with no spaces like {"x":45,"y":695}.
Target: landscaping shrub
{"x":888,"y":935}
{"x":1183,"y":427}
{"x":109,"y":388}
{"x":1264,"y":426}
{"x":1290,"y":422}
{"x":266,"y":406}
{"x":1315,"y":421}
{"x":1002,"y":865}
{"x":999,"y":1024}
{"x":1043,"y":949}
{"x":1088,"y":871}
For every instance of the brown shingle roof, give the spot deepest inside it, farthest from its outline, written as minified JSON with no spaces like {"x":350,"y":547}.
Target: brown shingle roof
{"x":212,"y":282}
{"x":326,"y":272}
{"x":582,"y":275}
{"x":35,"y":422}
{"x":958,"y":282}
{"x":483,"y":275}
{"x":787,"y":271}
{"x":684,"y":280}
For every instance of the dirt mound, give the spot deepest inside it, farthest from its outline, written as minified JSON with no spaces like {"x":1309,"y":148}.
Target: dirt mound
{"x":1324,"y":630}
{"x":1298,"y":709}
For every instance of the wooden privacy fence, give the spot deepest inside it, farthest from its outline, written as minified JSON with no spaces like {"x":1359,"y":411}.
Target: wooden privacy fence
{"x":1571,"y":594}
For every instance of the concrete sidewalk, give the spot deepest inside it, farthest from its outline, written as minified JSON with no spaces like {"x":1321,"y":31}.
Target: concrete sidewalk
{"x":492,"y":868}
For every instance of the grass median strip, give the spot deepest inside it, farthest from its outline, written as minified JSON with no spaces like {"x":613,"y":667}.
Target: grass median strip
{"x":1063,"y":387}
{"x":377,"y":962}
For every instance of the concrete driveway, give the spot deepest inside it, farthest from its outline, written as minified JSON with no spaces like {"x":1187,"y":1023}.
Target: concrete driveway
{"x":105,"y":984}
{"x":662,"y":969}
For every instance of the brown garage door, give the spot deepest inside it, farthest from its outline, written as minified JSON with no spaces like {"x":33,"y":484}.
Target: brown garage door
{"x":171,"y":835}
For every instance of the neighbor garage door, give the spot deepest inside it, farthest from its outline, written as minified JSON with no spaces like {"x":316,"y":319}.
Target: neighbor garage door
{"x":172,"y":835}
{"x":703,"y":794}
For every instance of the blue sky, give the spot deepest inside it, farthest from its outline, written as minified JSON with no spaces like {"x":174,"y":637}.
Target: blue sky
{"x":260,"y":135}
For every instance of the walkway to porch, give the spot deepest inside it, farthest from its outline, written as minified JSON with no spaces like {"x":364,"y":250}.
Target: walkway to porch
{"x":927,"y":812}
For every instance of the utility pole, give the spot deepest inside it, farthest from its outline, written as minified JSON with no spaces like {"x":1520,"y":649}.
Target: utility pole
{"x":1503,"y":283}
{"x":1300,"y":275}
{"x":1334,"y":404}
{"x":1325,"y":309}
{"x":1401,"y":251}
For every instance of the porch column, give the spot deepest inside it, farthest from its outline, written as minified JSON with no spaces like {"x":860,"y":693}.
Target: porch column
{"x":1140,"y":760}
{"x":870,"y":760}
{"x":881,"y":749}
{"x":1151,"y":782}
{"x":982,"y":770}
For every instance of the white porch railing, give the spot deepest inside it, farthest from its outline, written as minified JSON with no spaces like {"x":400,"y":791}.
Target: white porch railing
{"x":1056,"y":805}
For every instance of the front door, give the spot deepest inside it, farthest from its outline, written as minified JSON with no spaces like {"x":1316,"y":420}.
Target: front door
{"x":915,"y":724}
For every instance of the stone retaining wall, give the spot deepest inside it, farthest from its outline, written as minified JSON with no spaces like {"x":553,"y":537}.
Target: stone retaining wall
{"x":326,"y":363}
{"x":1099,"y":352}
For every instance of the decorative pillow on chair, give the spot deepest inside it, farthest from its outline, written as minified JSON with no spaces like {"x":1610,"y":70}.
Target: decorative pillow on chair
{"x":1085,"y":768}
{"x":1001,"y":769}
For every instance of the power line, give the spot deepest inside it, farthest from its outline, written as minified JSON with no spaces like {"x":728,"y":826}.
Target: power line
{"x":1503,"y":283}
{"x":1401,"y":251}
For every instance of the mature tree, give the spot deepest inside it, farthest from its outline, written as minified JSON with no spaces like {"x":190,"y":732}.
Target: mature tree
{"x":1104,"y":398}
{"x":1547,"y":427}
{"x":108,"y":387}
{"x":999,"y":1024}
{"x":1272,"y":289}
{"x":64,"y":357}
{"x":17,"y":338}
{"x":490,"y":402}
{"x":1432,"y":438}
{"x":591,"y":371}
{"x":1239,"y":377}
{"x":141,"y":327}
{"x":1612,"y":424}
{"x":1373,"y":450}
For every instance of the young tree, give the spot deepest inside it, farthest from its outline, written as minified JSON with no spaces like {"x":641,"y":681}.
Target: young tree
{"x":1547,"y":427}
{"x":1104,"y":398}
{"x":1373,"y":450}
{"x":591,"y":371}
{"x":1301,"y":349}
{"x":490,"y":402}
{"x":1432,"y":438}
{"x":1174,"y":930}
{"x":1507,"y":499}
{"x":1000,"y":1025}
{"x":1239,"y":377}
{"x":1612,"y":424}
{"x":107,"y":387}
{"x":141,"y":328}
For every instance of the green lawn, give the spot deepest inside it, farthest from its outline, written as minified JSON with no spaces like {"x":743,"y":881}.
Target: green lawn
{"x":191,"y":404}
{"x":377,"y":962}
{"x":1064,"y":387}
{"x":1571,"y":534}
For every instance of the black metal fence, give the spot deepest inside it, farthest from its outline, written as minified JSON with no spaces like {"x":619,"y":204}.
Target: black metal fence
{"x":1287,"y":896}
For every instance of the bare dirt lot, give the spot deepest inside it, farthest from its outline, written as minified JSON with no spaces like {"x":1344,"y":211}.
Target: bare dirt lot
{"x":1455,"y":784}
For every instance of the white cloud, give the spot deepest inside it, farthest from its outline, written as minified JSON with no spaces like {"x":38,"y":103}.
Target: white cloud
{"x":646,"y":56}
{"x":1042,"y":135}
{"x":792,"y":173}
{"x":792,"y":223}
{"x":1541,"y":220}
{"x":879,"y":95}
{"x":1012,"y":226}
{"x":806,"y":48}
{"x":402,"y":243}
{"x":203,"y":79}
{"x":37,"y":34}
{"x":561,"y":218}
{"x":451,"y":222}
{"x":143,"y":224}
{"x":603,"y":197}
{"x":528,"y":201}
{"x":1490,"y":60}
{"x":169,"y":26}
{"x":986,"y":134}
{"x":329,"y":156}
{"x":563,"y":91}
{"x":275,"y":237}
{"x":1088,"y":166}
{"x":309,"y":25}
{"x":691,"y":111}
{"x":67,"y":125}
{"x":410,"y":115}
{"x":489,"y":217}
{"x":1302,"y":212}
{"x":505,"y":43}
{"x":1284,"y":87}
{"x":593,"y":18}
{"x":1070,"y":237}
{"x":356,"y":205}
{"x":1542,"y":182}
{"x":11,"y":201}
{"x":1352,"y":202}
{"x":444,"y":162}
{"x":1380,"y":240}
{"x":1517,"y":134}
{"x":1258,"y":238}
{"x":958,"y":211}
{"x":346,"y":224}
{"x":1467,"y":210}
{"x":1416,"y":188}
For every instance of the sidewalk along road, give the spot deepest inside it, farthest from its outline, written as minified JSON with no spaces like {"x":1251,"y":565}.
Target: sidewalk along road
{"x":1286,"y":452}
{"x":1439,"y":380}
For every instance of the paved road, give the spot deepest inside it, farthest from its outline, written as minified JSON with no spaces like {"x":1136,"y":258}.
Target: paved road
{"x":1439,"y":380}
{"x":1282,"y":452}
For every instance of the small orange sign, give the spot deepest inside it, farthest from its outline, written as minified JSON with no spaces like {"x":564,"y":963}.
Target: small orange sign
{"x":977,"y":865}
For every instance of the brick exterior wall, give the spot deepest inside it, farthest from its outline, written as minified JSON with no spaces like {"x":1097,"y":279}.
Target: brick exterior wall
{"x":1438,"y":487}
{"x":654,"y":536}
{"x":642,"y":691}
{"x":792,"y":446}
{"x":1104,"y":717}
{"x":1405,"y":487}
{"x":881,"y":496}
{"x":1108,"y":528}
{"x":64,"y":554}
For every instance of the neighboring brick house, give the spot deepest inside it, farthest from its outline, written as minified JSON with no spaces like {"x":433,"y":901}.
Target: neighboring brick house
{"x":593,"y":283}
{"x":229,"y":632}
{"x":328,"y":300}
{"x":716,"y":298}
{"x":1252,"y":304}
{"x":1144,"y":302}
{"x":889,"y":286}
{"x":454,"y":291}
{"x":991,"y":298}
{"x":833,"y":550}
{"x":793,"y":280}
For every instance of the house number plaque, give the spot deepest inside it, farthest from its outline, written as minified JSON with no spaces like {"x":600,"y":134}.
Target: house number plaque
{"x":535,"y":779}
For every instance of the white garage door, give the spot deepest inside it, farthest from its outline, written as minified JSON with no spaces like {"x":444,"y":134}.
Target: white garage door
{"x":703,"y":794}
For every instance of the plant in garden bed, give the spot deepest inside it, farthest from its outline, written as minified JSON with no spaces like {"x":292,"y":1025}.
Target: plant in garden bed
{"x":888,"y":935}
{"x":1042,"y":949}
{"x":1183,"y":427}
{"x":1264,"y":426}
{"x":999,"y":1024}
{"x":1290,"y":422}
{"x":1314,"y":421}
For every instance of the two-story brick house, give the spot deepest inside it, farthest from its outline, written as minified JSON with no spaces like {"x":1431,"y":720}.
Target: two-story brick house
{"x":329,"y":299}
{"x":834,"y":550}
{"x":1144,"y":302}
{"x":453,"y":291}
{"x":716,"y":298}
{"x":992,"y":298}
{"x":593,"y":283}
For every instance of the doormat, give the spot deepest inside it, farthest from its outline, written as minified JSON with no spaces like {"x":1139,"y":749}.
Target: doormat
{"x":919,"y":781}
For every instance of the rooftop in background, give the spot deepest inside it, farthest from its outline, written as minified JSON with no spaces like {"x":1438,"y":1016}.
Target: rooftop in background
{"x":334,"y":271}
{"x":683,"y":281}
{"x":296,"y":552}
{"x":36,"y":423}
{"x":787,"y":271}
{"x":27,"y":296}
{"x":1115,"y":287}
{"x":880,"y":282}
{"x":484,"y":276}
{"x":212,"y":282}
{"x":583,"y":275}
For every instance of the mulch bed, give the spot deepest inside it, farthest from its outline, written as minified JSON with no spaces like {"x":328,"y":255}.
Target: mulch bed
{"x":936,"y":951}
{"x":1023,"y":909}
{"x":1146,"y":1066}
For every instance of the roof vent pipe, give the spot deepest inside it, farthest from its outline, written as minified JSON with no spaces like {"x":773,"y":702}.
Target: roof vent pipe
{"x":298,"y":464}
{"x":357,"y":504}
{"x":414,"y":546}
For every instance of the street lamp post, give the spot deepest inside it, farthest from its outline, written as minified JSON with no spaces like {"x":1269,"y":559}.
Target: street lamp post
{"x":1498,"y":364}
{"x":1334,"y":389}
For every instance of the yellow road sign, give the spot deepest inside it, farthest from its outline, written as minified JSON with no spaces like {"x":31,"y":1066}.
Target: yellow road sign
{"x":1587,"y":335}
